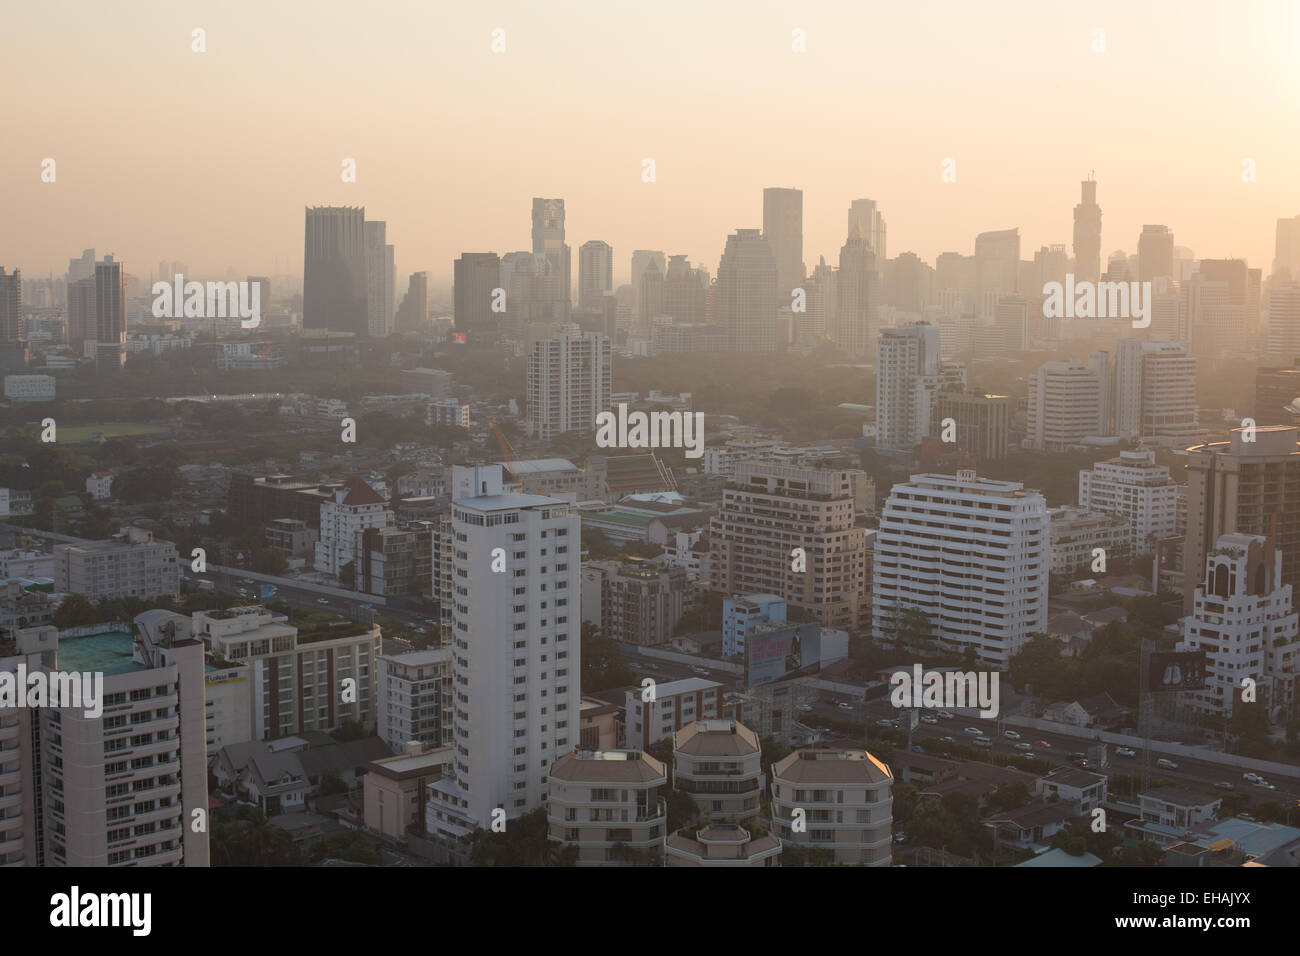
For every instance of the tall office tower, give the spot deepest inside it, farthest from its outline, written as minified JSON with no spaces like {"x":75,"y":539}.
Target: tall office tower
{"x":783,"y":230}
{"x":379,"y":286}
{"x":1243,"y":618}
{"x":829,"y":279}
{"x":1117,"y":269}
{"x":82,"y":326}
{"x":1286,"y":250}
{"x":595,"y":271}
{"x":865,"y":214}
{"x":641,"y":258}
{"x":120,"y":788}
{"x":548,"y":240}
{"x":568,"y":383}
{"x":747,"y":292}
{"x":517,"y":650}
{"x":908,"y":374}
{"x":1087,"y":235}
{"x":1011,"y":323}
{"x":1245,"y":487}
{"x":1051,"y":263}
{"x":909,"y":283}
{"x":1217,"y":309}
{"x":769,"y":509}
{"x":1155,"y":253}
{"x":475,"y":275}
{"x":1168,"y":313}
{"x":650,"y":295}
{"x":1169,"y":407}
{"x":413,"y":313}
{"x":997,"y":267}
{"x":685,"y":291}
{"x":972,"y":554}
{"x":335,"y":274}
{"x":11,"y":305}
{"x":82,"y":268}
{"x":1127,"y":404}
{"x":1275,"y":390}
{"x":110,"y":314}
{"x":1136,"y":488}
{"x":956,"y":284}
{"x":1066,"y":404}
{"x":858,"y":289}
{"x":982,"y":422}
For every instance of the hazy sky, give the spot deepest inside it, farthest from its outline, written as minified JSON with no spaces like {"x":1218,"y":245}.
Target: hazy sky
{"x":210,"y":158}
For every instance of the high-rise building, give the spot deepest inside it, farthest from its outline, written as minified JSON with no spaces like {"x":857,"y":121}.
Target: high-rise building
{"x":379,"y":281}
{"x":641,"y":258}
{"x":770,"y":509}
{"x":1243,"y":487}
{"x":634,"y":603}
{"x":783,"y":230}
{"x":1136,"y":488}
{"x":1155,"y":253}
{"x":997,"y":268}
{"x":651,"y":295}
{"x":1218,"y":310}
{"x":569,"y":382}
{"x":548,"y":240}
{"x":595,"y":271}
{"x":1284,"y":320}
{"x":747,"y":292}
{"x":908,"y":374}
{"x":972,"y":554}
{"x":475,"y":276}
{"x":84,"y":267}
{"x":1286,"y":251}
{"x":909,"y":283}
{"x":82,"y":324}
{"x":865,"y":214}
{"x":1244,"y":619}
{"x":335,"y":270}
{"x":982,"y":422}
{"x":413,"y":313}
{"x":1169,"y":408}
{"x":415,"y":699}
{"x":858,"y":289}
{"x":684,"y":292}
{"x":11,"y":306}
{"x":1066,"y":403}
{"x":1087,"y":234}
{"x":353,"y":508}
{"x":110,"y":314}
{"x":516,"y":650}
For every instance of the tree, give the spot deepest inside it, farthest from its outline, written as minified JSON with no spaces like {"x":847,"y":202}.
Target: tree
{"x":74,"y":611}
{"x":602,"y":662}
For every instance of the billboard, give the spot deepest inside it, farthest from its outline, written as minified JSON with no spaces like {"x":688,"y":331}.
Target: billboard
{"x":772,"y":653}
{"x":1175,"y":670}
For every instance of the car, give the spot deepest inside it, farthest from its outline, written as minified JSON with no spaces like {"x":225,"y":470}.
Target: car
{"x":322,"y":600}
{"x":1126,"y":752}
{"x":1166,"y":764}
{"x":243,"y":592}
{"x":1264,"y":785}
{"x":947,"y":740}
{"x":1224,"y":785}
{"x":929,"y":719}
{"x":973,"y":731}
{"x":982,"y":742}
{"x":700,"y":670}
{"x":1080,"y":761}
{"x":882,"y":723}
{"x":1251,"y":777}
{"x":1043,"y":743}
{"x":1010,"y":735}
{"x":429,"y":620}
{"x":900,"y":836}
{"x":917,"y":749}
{"x":946,"y":714}
{"x":804,"y":707}
{"x":1024,"y":746}
{"x":420,"y":630}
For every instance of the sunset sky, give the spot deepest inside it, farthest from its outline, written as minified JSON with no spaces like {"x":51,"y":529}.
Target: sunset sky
{"x":210,"y":158}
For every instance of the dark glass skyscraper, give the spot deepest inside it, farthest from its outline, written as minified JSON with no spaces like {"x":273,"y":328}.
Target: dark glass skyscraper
{"x":334,"y":270}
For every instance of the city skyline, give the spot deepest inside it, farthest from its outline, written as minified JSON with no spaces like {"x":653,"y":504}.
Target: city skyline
{"x":217,"y":200}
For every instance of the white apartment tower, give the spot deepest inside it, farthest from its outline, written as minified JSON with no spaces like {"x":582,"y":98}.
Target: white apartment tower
{"x":1243,"y":619}
{"x":973,"y":554}
{"x":568,"y":383}
{"x":1136,"y":488}
{"x":355,"y":508}
{"x":1066,"y":404}
{"x":515,"y":650}
{"x":908,"y":374}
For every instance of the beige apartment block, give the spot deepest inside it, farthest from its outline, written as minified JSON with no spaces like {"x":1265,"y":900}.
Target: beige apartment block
{"x":846,"y":804}
{"x":717,"y":763}
{"x":607,"y":804}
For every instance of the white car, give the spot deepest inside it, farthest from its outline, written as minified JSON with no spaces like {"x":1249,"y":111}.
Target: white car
{"x":1125,"y":752}
{"x":1251,"y":777}
{"x":882,"y":723}
{"x":1010,"y":735}
{"x":973,"y":731}
{"x":1264,"y":785}
{"x":1024,"y":746}
{"x":947,"y":714}
{"x":1166,"y":764}
{"x":929,"y":719}
{"x":700,"y":670}
{"x":1224,"y":785}
{"x":804,"y":707}
{"x":322,"y":600}
{"x":844,"y":705}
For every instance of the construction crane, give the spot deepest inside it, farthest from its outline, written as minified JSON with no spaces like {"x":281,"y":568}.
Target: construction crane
{"x":507,"y":451}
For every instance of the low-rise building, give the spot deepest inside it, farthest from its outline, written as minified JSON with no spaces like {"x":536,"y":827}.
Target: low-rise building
{"x":394,"y":788}
{"x":415,"y":699}
{"x":722,"y":845}
{"x":717,"y":764}
{"x":130,"y":564}
{"x":607,"y":803}
{"x":670,"y":708}
{"x":839,"y":801}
